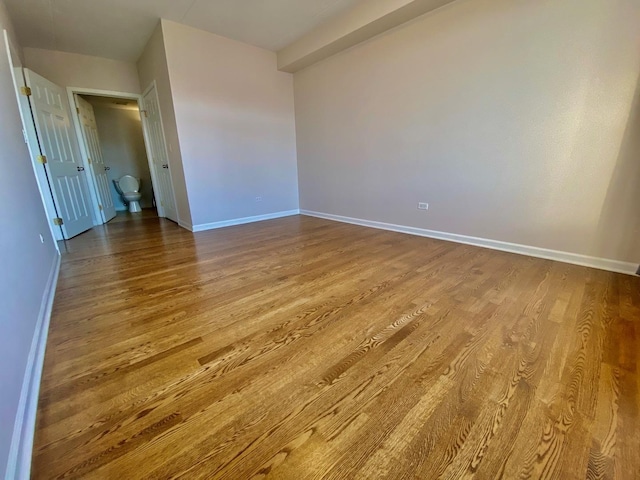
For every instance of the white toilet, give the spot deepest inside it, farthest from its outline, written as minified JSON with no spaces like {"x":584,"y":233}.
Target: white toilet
{"x":129,"y":189}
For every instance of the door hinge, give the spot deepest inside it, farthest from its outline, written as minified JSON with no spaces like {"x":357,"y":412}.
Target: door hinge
{"x":42,"y":159}
{"x":100,"y":207}
{"x":89,"y":161}
{"x":58,"y":221}
{"x":145,"y":113}
{"x":26,"y":91}
{"x":77,"y":110}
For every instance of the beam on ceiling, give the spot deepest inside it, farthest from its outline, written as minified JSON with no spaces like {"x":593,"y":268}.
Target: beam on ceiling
{"x":362,"y":22}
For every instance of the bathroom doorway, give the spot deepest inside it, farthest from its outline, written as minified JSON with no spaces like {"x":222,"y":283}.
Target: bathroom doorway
{"x":113,"y":139}
{"x":128,"y":129}
{"x":76,"y":192}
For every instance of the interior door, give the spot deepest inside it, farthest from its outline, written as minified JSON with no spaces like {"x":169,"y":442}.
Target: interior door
{"x":159,"y":157}
{"x":96,"y":161}
{"x":58,"y":142}
{"x":31,"y":136}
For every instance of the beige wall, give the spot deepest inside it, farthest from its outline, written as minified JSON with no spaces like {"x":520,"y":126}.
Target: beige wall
{"x":26,"y":261}
{"x":123,"y":149}
{"x":75,"y":70}
{"x":516,"y":121}
{"x":152,"y":66}
{"x":235,"y":118}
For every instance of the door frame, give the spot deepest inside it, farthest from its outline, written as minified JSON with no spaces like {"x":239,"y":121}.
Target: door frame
{"x":71,"y":91}
{"x":147,"y":141}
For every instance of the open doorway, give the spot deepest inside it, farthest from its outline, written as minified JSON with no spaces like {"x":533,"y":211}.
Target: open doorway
{"x":112,"y":133}
{"x":76,"y":188}
{"x":121,"y":138}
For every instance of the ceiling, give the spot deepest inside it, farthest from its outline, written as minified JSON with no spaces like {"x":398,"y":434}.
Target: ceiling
{"x":119,"y":29}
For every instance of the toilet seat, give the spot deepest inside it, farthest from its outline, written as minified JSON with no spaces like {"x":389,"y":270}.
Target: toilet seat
{"x":129,"y":184}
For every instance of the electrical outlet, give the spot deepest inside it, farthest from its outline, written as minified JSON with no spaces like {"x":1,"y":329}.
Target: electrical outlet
{"x":258,"y":199}
{"x":423,"y":206}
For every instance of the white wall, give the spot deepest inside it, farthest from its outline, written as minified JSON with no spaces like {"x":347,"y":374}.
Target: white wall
{"x":75,"y":70}
{"x":123,"y":149}
{"x":517,"y":121}
{"x":26,"y":261}
{"x":235,"y":120}
{"x":152,"y":66}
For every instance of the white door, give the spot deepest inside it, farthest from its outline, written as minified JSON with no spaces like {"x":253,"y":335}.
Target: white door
{"x":96,"y":161}
{"x":31,"y":137}
{"x":160,"y":160}
{"x":58,"y":142}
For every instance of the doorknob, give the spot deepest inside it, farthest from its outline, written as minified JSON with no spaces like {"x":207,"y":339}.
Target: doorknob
{"x":80,"y":169}
{"x":165,"y":165}
{"x":106,"y":169}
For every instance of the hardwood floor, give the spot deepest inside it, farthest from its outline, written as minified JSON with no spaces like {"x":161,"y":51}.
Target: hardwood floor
{"x":302,"y":348}
{"x":126,"y":216}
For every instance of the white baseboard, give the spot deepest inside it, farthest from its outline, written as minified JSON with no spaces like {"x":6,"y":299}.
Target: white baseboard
{"x":241,"y":221}
{"x":566,"y":257}
{"x":19,"y":462}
